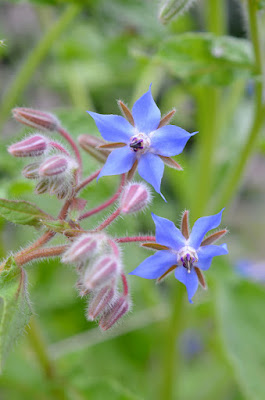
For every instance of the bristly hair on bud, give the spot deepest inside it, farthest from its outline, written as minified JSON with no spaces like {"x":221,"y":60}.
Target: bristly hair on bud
{"x":105,"y":270}
{"x":83,"y":248}
{"x":117,"y":310}
{"x":57,"y":165}
{"x":36,"y":119}
{"x":101,"y":300}
{"x":33,"y":146}
{"x":174,"y":9}
{"x":135,"y":197}
{"x":31,"y":171}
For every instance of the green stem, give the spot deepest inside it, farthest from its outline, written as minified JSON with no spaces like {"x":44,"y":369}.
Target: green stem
{"x":234,"y":178}
{"x":171,"y":359}
{"x":39,"y":347}
{"x":34,"y":59}
{"x":209,"y":104}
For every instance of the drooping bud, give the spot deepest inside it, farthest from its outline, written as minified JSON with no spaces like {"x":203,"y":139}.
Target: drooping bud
{"x":31,"y":171}
{"x":32,"y":146}
{"x":101,"y":300}
{"x":134,"y":198}
{"x":118,"y":309}
{"x":36,"y":119}
{"x":42,"y":186}
{"x":56,"y":165}
{"x":102,"y":272}
{"x":86,"y":246}
{"x":173,"y":9}
{"x":90,"y":144}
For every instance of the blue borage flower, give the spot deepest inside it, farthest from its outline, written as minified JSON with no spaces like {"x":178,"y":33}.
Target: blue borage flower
{"x":186,"y":253}
{"x":144,"y":140}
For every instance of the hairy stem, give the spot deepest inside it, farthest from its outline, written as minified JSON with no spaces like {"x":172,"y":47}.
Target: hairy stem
{"x":106,"y":204}
{"x":109,"y":220}
{"x":72,"y":143}
{"x":22,"y":78}
{"x":88,"y":180}
{"x":129,"y":239}
{"x":56,"y":251}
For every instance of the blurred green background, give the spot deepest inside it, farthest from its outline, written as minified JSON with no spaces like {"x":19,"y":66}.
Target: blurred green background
{"x":67,"y":58}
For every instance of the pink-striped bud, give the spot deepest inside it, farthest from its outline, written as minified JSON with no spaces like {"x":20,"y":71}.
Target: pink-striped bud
{"x":118,"y":309}
{"x":102,"y":272}
{"x":85,"y":247}
{"x":42,"y":186}
{"x":32,"y":146}
{"x":90,"y":144}
{"x":36,"y":119}
{"x":134,"y":198}
{"x":101,"y":300}
{"x":56,"y":165}
{"x":31,"y":171}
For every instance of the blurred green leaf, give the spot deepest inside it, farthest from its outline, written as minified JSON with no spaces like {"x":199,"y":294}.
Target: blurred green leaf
{"x":202,"y":58}
{"x":22,"y":212}
{"x":14,"y":307}
{"x":240,"y":306}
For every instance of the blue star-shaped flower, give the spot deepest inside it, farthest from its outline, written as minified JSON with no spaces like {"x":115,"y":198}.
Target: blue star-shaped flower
{"x":186,"y":253}
{"x":145,"y":140}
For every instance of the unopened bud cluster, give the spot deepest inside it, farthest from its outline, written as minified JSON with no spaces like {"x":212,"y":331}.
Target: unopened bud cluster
{"x":99,"y":270}
{"x":54,"y":172}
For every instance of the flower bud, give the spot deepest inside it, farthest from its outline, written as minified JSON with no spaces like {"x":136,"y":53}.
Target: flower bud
{"x":103,"y":271}
{"x":36,"y":119}
{"x":100,"y":301}
{"x":134,"y":198}
{"x":173,"y":9}
{"x":42,"y":186}
{"x":31,"y":171}
{"x":118,"y":309}
{"x":90,"y":143}
{"x":32,"y":146}
{"x":86,"y":246}
{"x":56,"y":165}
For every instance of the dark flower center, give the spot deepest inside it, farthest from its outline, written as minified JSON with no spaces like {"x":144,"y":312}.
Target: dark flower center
{"x":136,"y":144}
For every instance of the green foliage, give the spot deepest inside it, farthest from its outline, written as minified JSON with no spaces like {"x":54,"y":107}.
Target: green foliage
{"x":202,"y":58}
{"x":240,"y":310}
{"x":15,"y":309}
{"x":22,"y":212}
{"x":173,"y":9}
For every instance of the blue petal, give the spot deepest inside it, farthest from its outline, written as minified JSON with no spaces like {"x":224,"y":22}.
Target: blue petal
{"x":145,"y":113}
{"x":202,"y":226}
{"x":169,"y":140}
{"x":190,"y":280}
{"x":206,"y":254}
{"x":119,"y":161}
{"x":167,"y":234}
{"x":155,"y":266}
{"x":113,"y":128}
{"x":151,"y":168}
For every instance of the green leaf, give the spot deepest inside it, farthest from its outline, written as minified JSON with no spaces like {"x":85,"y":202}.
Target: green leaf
{"x":240,"y":311}
{"x":22,"y":212}
{"x":202,"y":58}
{"x":15,"y":309}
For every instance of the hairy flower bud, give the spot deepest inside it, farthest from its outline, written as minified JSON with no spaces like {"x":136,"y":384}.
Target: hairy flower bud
{"x":42,"y":186}
{"x":102,"y":272}
{"x":90,"y":144}
{"x":100,"y":302}
{"x":118,"y":309}
{"x":134,"y":198}
{"x":32,"y":146}
{"x":86,"y":246}
{"x":31,"y":171}
{"x":173,"y":9}
{"x":56,"y":165}
{"x":36,"y":119}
